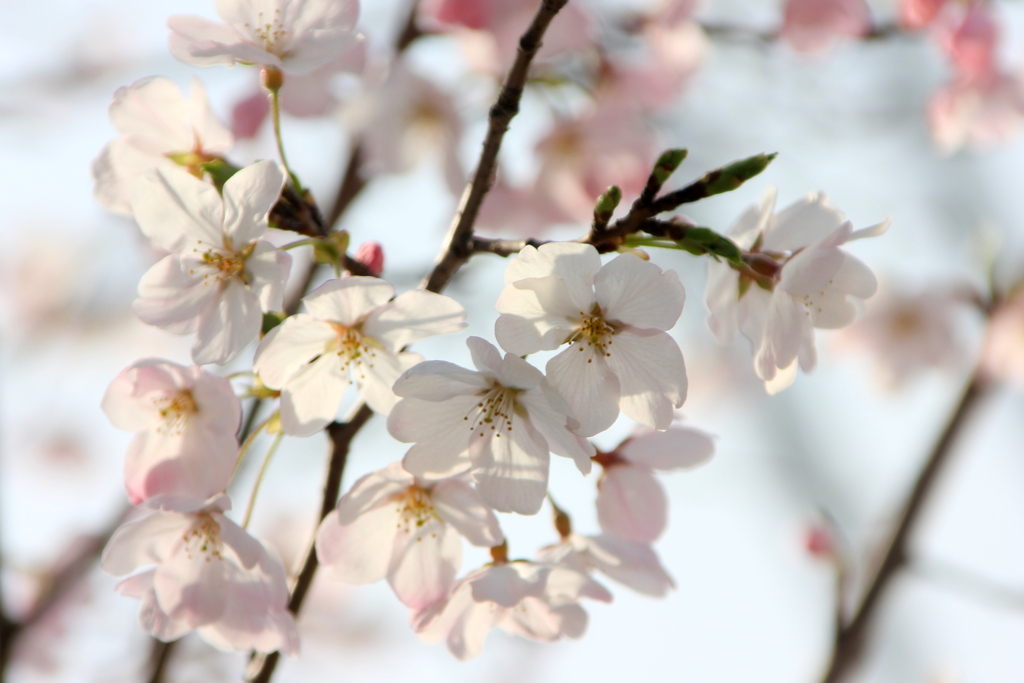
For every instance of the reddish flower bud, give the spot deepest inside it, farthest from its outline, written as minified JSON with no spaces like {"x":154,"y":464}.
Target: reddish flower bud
{"x":371,"y":255}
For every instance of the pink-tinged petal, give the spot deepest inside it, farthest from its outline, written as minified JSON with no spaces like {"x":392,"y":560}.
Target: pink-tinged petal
{"x":136,"y":586}
{"x":376,"y":377}
{"x":425,"y":561}
{"x":359,"y":552}
{"x":247,"y":550}
{"x":153,"y":110}
{"x":172,"y":299}
{"x":241,"y":630}
{"x":811,"y":271}
{"x":565,"y":584}
{"x":509,"y":584}
{"x":631,"y":504}
{"x":227,"y":328}
{"x":535,"y":619}
{"x":249,"y":195}
{"x":201,"y":42}
{"x":248,"y":115}
{"x":191,"y":589}
{"x":652,"y":376}
{"x":636,"y":292}
{"x":676,"y":448}
{"x":219,"y":410}
{"x":145,"y":541}
{"x":412,"y":316}
{"x":783,"y":334}
{"x":460,"y":505}
{"x":156,"y":622}
{"x":439,"y":431}
{"x":348,"y":301}
{"x":782,"y":379}
{"x":462,"y":622}
{"x":722,"y":297}
{"x":511,"y":468}
{"x":554,"y":427}
{"x":312,"y":395}
{"x":803,"y":222}
{"x":267,"y":270}
{"x":177,"y":211}
{"x":588,"y":385}
{"x":128,"y":408}
{"x":516,"y":373}
{"x":537,"y":314}
{"x":485,"y":355}
{"x":812,"y":25}
{"x":373,"y":490}
{"x":289,"y":346}
{"x":572,"y":620}
{"x":438,"y":380}
{"x":213,"y":136}
{"x":632,"y":564}
{"x":576,"y":264}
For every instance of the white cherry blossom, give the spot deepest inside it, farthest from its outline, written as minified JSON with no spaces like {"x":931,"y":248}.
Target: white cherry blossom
{"x":220,"y":275}
{"x":806,"y":281}
{"x":632,"y":564}
{"x":500,"y":422}
{"x":159,"y":128}
{"x":391,"y":524}
{"x":185,"y":421}
{"x":536,"y":601}
{"x":631,"y":504}
{"x":355,"y":329}
{"x":614,"y":318}
{"x":210,"y":575}
{"x":294,"y":35}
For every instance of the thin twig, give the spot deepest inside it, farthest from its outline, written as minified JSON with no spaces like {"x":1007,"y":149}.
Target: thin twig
{"x":850,"y":640}
{"x":968,"y":583}
{"x":745,"y":34}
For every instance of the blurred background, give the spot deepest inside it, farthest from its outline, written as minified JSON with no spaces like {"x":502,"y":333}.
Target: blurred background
{"x":752,"y":601}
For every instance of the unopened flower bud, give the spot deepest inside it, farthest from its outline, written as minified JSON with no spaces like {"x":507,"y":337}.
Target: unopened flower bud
{"x":818,"y":542}
{"x":667,"y":164}
{"x":271,"y":78}
{"x":371,"y":255}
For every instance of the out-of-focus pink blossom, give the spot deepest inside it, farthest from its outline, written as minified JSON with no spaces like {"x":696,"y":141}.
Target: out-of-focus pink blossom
{"x":911,"y":333}
{"x":296,"y":37}
{"x":371,"y":255}
{"x":536,"y":601}
{"x":814,"y":25}
{"x":977,"y":113}
{"x":185,"y":421}
{"x":1003,"y":355}
{"x":248,"y":114}
{"x":632,"y":564}
{"x":919,"y":14}
{"x":819,"y":543}
{"x":497,"y":26}
{"x":971,"y":42}
{"x":391,"y":524}
{"x":210,"y":575}
{"x":631,"y":504}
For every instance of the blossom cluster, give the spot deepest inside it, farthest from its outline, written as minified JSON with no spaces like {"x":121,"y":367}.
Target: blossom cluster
{"x":480,"y":438}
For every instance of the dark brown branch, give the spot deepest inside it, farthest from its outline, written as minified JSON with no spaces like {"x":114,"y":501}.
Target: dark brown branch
{"x":341,"y":440}
{"x":744,"y":34}
{"x":159,"y":657}
{"x":460,"y":234}
{"x":850,"y":640}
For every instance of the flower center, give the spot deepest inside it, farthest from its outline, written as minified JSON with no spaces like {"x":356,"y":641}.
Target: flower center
{"x":352,"y":348}
{"x":175,"y":410}
{"x":415,"y":509}
{"x":493,"y":414}
{"x":271,"y":35}
{"x":223,"y":263}
{"x":203,"y":539}
{"x":594,"y":331}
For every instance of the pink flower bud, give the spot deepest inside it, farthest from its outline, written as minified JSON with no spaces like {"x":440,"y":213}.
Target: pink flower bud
{"x":248,"y":115}
{"x":371,"y":255}
{"x":818,"y":542}
{"x":813,"y":25}
{"x":971,"y":45}
{"x":919,"y":14}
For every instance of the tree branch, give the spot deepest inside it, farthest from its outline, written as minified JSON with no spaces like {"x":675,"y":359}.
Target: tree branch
{"x":851,"y":638}
{"x":460,"y":234}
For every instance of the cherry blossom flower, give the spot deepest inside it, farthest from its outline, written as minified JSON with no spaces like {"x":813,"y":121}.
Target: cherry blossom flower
{"x":159,"y":128}
{"x":971,"y":42}
{"x":919,"y":14}
{"x":500,"y":423}
{"x":632,"y":564}
{"x":536,"y":601}
{"x":210,"y":575}
{"x":220,"y":275}
{"x":395,"y":525}
{"x":185,"y":421}
{"x":354,"y":328}
{"x":613,"y":317}
{"x":296,"y":37}
{"x":805,"y":281}
{"x":813,"y":25}
{"x":910,"y":333}
{"x":631,"y":504}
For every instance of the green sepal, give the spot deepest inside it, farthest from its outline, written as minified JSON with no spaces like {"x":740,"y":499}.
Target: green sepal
{"x":667,"y":164}
{"x":607,"y":203}
{"x":220,"y":171}
{"x":731,"y":176}
{"x":700,"y":241}
{"x":272,"y":319}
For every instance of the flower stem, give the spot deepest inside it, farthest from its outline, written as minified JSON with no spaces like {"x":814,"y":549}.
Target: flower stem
{"x":247,"y":444}
{"x":273,"y":79}
{"x":259,"y":479}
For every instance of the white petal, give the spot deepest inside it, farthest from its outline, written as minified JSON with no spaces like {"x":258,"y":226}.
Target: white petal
{"x":439,"y":431}
{"x":178,"y":211}
{"x":359,"y":552}
{"x":267,"y":271}
{"x":376,"y":374}
{"x":676,"y":448}
{"x":155,"y":621}
{"x":636,"y":292}
{"x":588,"y":385}
{"x":802,"y":223}
{"x":191,"y":589}
{"x":437,"y":380}
{"x":249,"y":195}
{"x":509,"y":584}
{"x":633,"y":564}
{"x":227,"y":328}
{"x":246,"y":549}
{"x":554,"y":426}
{"x":424,"y":563}
{"x":172,"y":299}
{"x":460,"y":505}
{"x":289,"y":346}
{"x":652,"y":376}
{"x":373,"y":490}
{"x":576,"y":264}
{"x":311,"y":397}
{"x":631,"y":504}
{"x":145,"y":541}
{"x":537,"y":314}
{"x":414,"y":315}
{"x":511,"y":468}
{"x":348,"y":301}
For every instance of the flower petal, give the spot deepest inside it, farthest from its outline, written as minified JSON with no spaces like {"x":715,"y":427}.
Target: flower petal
{"x":652,"y":376}
{"x":348,"y":301}
{"x":414,"y":315}
{"x":636,"y":292}
{"x":359,"y":552}
{"x":249,"y":195}
{"x":631,"y":504}
{"x":460,"y":505}
{"x":588,"y":385}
